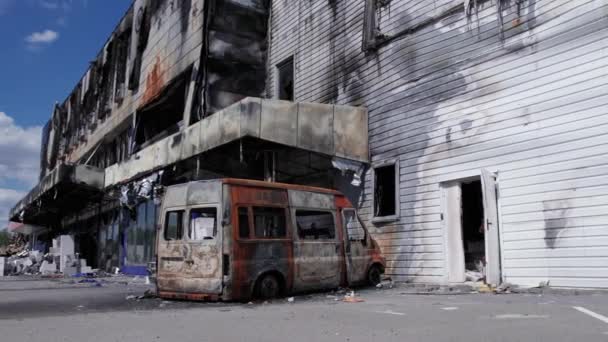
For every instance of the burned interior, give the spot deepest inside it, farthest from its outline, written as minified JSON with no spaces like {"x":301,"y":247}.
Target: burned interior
{"x":473,"y":229}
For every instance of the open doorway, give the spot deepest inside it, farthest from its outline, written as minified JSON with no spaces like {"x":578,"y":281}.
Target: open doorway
{"x":473,"y":230}
{"x":470,"y":220}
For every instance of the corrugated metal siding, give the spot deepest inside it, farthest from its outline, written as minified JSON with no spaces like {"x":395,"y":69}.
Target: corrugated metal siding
{"x":455,"y":97}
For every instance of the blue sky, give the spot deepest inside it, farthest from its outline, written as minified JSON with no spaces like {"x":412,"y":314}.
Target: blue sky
{"x":45,"y":48}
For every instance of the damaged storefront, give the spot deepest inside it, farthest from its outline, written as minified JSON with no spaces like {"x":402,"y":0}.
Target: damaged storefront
{"x":179,"y":92}
{"x":469,"y":135}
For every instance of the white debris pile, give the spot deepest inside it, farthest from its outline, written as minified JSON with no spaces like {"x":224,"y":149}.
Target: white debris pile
{"x":61,"y":259}
{"x":385,"y":283}
{"x":24,"y":262}
{"x":16,"y":245}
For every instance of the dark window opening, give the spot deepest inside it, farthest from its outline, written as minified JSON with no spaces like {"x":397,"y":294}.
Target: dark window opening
{"x":107,"y":82}
{"x":161,"y":117}
{"x":243,"y":223}
{"x":174,"y":222}
{"x":142,"y":30}
{"x":141,"y":234}
{"x":203,"y":224}
{"x":269,"y":223}
{"x":90,"y":97}
{"x":473,"y":227}
{"x":385,"y":191}
{"x":286,"y":80}
{"x":122,"y":56}
{"x":115,"y":151}
{"x":315,"y":225}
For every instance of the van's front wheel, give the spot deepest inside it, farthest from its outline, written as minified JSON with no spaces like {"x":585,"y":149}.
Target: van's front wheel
{"x":268,"y":287}
{"x":374,"y":275}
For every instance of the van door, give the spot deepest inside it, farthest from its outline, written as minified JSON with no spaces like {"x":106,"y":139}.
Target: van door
{"x":357,"y":251}
{"x":189,"y":251}
{"x":317,"y":250}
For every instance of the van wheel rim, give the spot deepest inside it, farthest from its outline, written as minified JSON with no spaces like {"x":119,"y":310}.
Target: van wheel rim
{"x":269,"y":287}
{"x":374,"y":276}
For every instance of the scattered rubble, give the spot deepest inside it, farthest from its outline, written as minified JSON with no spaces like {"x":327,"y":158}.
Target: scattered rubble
{"x":503,"y":288}
{"x":386,"y":283}
{"x":61,"y":259}
{"x":474,"y":276}
{"x":16,"y":245}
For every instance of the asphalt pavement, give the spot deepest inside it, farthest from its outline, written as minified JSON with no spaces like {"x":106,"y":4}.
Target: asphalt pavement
{"x":115,"y":310}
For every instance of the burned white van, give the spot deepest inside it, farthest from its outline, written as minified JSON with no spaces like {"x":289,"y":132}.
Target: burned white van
{"x":236,"y":239}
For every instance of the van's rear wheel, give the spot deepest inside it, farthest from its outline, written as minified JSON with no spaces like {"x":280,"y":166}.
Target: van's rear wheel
{"x":374,"y":275}
{"x":268,"y":287}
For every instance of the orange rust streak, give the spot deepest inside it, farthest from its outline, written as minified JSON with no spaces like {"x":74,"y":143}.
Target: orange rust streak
{"x":154,"y":82}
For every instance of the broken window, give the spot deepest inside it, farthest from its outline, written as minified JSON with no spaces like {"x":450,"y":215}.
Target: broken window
{"x":385,"y":191}
{"x":315,"y":225}
{"x":137,"y":237}
{"x":174,"y":225}
{"x":203,"y":224}
{"x":118,"y":146}
{"x":161,"y":117}
{"x":244,"y":223}
{"x":285,"y":82}
{"x":90,"y":93}
{"x":122,"y":55}
{"x":107,"y":82}
{"x":269,"y":223}
{"x":142,"y":30}
{"x":354,"y":228}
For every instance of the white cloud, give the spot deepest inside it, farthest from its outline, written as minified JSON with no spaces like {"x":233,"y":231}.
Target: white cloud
{"x":8,"y":199}
{"x":44,"y":37}
{"x":19,"y":162}
{"x":19,"y":151}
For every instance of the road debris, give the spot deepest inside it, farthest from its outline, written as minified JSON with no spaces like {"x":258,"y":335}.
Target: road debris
{"x":449,"y":308}
{"x":519,"y":316}
{"x":473,"y":276}
{"x":385,"y":283}
{"x":390,"y":312}
{"x":503,"y":288}
{"x":352,"y":298}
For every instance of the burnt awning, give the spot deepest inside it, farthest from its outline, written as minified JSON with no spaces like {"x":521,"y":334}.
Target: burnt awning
{"x":66,"y":189}
{"x":325,"y":129}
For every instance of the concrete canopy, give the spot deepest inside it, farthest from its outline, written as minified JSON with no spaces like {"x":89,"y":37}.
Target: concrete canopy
{"x":329,"y":130}
{"x":57,"y":192}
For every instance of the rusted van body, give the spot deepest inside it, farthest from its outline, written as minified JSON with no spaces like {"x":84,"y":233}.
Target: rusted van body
{"x":233,"y":239}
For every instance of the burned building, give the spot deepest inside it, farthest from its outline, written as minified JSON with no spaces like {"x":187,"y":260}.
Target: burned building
{"x":469,"y":133}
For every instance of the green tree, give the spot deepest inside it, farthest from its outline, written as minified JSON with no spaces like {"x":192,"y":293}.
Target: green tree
{"x":4,"y":238}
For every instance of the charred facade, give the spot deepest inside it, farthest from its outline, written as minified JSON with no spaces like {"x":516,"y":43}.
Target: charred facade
{"x":178,"y":93}
{"x":469,"y":134}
